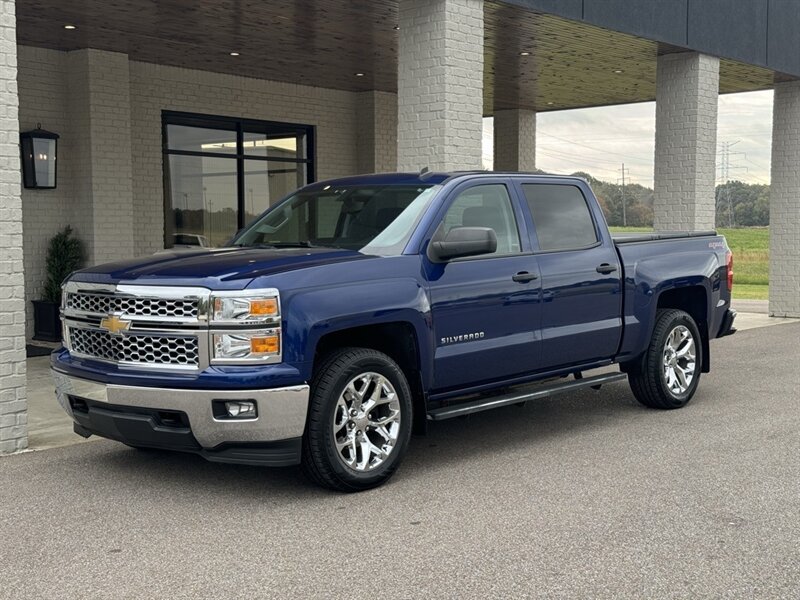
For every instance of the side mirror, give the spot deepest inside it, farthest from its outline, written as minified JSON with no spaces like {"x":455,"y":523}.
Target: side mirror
{"x":463,"y":241}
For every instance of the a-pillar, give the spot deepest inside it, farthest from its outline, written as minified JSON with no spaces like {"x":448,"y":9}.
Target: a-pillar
{"x":440,"y":84}
{"x":784,"y":203}
{"x":514,"y":140}
{"x":687,"y":94}
{"x":100,"y":109}
{"x":13,"y":405}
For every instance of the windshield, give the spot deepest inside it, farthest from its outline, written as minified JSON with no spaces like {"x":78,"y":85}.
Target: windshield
{"x":375,"y":219}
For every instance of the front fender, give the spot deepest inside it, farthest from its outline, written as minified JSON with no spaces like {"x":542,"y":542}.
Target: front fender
{"x":313,"y":313}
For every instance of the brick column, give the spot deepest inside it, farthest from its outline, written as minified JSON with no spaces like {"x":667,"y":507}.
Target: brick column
{"x":13,"y":405}
{"x":440,"y":84}
{"x":514,"y":140}
{"x":687,"y":91}
{"x":376,"y":122}
{"x":100,"y":107}
{"x":784,"y":203}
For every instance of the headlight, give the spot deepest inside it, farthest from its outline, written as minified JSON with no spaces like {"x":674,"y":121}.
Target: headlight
{"x":247,"y":307}
{"x":246,"y":347}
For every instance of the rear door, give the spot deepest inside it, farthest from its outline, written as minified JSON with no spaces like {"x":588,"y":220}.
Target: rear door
{"x":485,"y":309}
{"x":580,"y":270}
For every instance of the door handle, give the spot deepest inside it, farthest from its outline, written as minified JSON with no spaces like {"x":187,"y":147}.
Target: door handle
{"x":606,"y":268}
{"x":524,"y":277}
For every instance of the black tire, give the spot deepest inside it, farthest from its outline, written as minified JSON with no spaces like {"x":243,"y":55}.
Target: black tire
{"x":647,"y":378}
{"x":321,"y":461}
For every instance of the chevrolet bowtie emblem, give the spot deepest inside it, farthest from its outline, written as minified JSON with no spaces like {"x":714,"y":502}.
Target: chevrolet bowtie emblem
{"x":113,"y":324}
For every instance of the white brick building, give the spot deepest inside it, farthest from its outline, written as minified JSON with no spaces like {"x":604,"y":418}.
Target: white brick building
{"x":177,"y":122}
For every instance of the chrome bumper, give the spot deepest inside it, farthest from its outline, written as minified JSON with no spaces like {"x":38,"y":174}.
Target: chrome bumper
{"x":281,"y":411}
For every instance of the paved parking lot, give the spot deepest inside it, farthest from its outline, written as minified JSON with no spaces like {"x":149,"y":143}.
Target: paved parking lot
{"x":582,"y":496}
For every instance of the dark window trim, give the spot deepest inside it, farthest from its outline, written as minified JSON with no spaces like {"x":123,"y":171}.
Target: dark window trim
{"x":239,"y":126}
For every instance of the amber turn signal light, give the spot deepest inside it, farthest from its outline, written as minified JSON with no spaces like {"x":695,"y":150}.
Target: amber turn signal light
{"x":264,"y":345}
{"x":264,"y":307}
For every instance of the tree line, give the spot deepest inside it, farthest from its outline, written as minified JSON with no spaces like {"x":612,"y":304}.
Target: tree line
{"x":738,"y":204}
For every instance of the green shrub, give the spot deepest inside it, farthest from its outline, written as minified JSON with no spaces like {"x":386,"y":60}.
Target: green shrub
{"x":65,"y":254}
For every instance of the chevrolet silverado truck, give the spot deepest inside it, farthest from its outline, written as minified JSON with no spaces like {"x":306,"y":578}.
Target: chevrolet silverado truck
{"x":356,"y":311}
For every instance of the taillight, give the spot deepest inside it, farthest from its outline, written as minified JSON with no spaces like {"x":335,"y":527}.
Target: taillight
{"x":729,"y":265}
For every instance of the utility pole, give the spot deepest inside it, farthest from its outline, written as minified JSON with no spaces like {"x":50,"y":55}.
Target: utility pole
{"x":624,"y":202}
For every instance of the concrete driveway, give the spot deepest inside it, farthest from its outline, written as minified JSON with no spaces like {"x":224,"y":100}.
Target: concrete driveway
{"x":589,"y":495}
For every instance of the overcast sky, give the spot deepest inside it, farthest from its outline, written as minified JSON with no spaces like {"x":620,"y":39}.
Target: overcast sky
{"x":599,"y":140}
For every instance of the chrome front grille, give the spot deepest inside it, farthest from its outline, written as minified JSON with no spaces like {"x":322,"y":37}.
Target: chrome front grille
{"x":132,"y":306}
{"x":135,"y":349}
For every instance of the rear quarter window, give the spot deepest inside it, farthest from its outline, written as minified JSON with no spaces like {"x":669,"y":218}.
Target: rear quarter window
{"x":561,"y":216}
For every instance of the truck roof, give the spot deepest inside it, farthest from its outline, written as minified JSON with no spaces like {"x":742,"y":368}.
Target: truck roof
{"x":428,"y":178}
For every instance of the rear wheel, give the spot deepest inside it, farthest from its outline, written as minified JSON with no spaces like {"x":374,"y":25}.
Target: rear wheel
{"x":359,"y":420}
{"x":669,"y":371}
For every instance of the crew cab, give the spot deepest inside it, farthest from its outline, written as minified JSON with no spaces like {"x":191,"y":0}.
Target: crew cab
{"x":358,"y":310}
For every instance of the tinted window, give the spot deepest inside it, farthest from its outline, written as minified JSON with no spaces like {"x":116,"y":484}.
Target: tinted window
{"x":486,"y":206}
{"x":561,"y":216}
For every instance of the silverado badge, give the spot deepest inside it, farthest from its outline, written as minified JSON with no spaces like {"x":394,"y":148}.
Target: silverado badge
{"x":114,"y":325}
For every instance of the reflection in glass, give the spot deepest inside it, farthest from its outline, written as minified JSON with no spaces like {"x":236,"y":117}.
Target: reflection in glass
{"x":266,"y":182}
{"x":204,"y":200}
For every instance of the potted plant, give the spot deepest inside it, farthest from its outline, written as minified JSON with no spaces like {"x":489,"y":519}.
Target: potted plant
{"x":65,"y":254}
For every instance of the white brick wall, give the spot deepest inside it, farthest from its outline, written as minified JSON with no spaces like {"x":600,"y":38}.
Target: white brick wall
{"x":687,"y":94}
{"x":440,"y":84}
{"x":514,"y":140}
{"x":43,"y":99}
{"x":13,"y":405}
{"x":156,"y":87}
{"x":784,"y":208}
{"x":376,"y":114}
{"x":99,"y":102}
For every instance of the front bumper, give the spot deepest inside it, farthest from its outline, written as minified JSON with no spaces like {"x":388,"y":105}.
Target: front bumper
{"x":183,"y":419}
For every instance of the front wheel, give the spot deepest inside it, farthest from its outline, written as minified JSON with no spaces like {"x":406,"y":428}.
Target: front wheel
{"x":669,"y":371}
{"x":359,"y":420}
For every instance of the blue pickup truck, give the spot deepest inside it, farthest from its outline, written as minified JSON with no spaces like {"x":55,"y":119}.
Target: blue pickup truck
{"x":356,"y":311}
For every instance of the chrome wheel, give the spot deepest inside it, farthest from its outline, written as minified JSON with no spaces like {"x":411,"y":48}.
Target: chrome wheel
{"x":679,"y":360}
{"x":366,"y":422}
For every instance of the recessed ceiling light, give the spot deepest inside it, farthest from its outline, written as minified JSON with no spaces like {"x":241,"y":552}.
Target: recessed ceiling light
{"x":359,"y":74}
{"x":70,"y":27}
{"x":550,"y":103}
{"x":618,"y":71}
{"x":524,"y":53}
{"x":397,"y":27}
{"x":234,"y":54}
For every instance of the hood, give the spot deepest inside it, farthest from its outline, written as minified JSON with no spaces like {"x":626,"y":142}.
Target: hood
{"x":224,"y":268}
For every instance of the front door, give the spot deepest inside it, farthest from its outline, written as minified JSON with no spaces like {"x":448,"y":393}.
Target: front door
{"x":485,"y":309}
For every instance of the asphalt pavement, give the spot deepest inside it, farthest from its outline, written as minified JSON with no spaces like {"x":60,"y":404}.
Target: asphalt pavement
{"x":587,"y":495}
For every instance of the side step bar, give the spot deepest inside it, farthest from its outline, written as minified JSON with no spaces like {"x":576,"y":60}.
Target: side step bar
{"x":481,"y":404}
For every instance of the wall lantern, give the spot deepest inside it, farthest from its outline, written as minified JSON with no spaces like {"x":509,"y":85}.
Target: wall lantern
{"x":38,"y":149}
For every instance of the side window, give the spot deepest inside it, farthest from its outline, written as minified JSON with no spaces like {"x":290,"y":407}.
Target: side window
{"x":486,"y":206}
{"x":560,"y":215}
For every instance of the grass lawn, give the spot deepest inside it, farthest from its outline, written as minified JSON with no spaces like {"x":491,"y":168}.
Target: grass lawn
{"x":750,"y":248}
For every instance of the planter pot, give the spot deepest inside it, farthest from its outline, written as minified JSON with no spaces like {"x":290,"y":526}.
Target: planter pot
{"x":46,"y":321}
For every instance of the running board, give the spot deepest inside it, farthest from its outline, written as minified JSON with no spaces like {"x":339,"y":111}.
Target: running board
{"x":482,"y":404}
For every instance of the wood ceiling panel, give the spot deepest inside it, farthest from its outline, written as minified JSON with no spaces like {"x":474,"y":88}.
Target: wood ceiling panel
{"x":325,"y":42}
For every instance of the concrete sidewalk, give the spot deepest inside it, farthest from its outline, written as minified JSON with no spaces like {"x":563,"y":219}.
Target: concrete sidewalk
{"x":50,"y":427}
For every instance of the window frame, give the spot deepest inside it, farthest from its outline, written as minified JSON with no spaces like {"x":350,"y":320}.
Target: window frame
{"x":537,"y":249}
{"x":520,"y":219}
{"x":239,"y":126}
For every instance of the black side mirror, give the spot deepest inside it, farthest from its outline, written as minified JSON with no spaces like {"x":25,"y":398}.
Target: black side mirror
{"x":463,"y":241}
